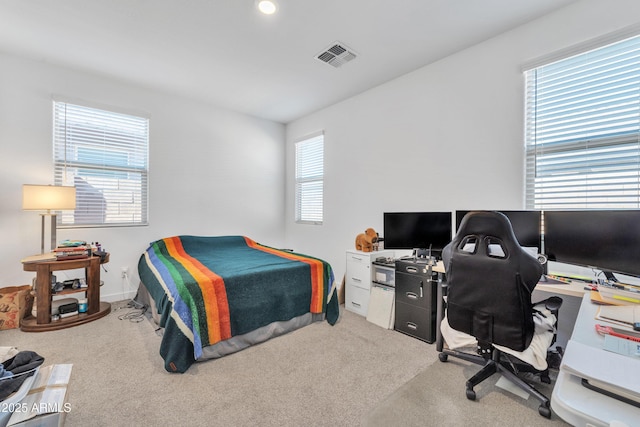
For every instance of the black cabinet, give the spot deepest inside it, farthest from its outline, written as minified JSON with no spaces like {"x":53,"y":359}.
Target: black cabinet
{"x":416,"y":289}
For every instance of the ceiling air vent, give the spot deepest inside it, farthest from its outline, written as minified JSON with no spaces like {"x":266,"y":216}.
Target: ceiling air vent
{"x":336,"y":55}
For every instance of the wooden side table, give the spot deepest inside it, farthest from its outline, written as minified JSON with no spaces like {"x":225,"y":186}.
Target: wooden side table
{"x":43,"y":268}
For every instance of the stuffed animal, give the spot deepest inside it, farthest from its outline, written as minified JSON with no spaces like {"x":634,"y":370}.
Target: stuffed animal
{"x":365,"y":241}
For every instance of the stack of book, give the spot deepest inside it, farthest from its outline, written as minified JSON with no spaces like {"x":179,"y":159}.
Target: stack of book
{"x":619,"y":293}
{"x":72,"y":249}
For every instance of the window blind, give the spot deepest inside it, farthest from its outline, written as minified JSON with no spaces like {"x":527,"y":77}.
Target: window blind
{"x":582,"y":130}
{"x":310,"y":180}
{"x":105,"y":156}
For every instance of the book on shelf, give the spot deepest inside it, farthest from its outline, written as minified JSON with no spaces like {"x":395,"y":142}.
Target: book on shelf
{"x":72,"y":243}
{"x":72,"y":252}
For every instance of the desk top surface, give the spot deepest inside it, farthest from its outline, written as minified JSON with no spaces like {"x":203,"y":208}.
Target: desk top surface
{"x":571,"y":400}
{"x":574,"y":288}
{"x":49,"y":256}
{"x":31,"y":263}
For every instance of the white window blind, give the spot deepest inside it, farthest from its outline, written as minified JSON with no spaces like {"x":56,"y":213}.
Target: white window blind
{"x":583,"y":130}
{"x":105,"y":156}
{"x":310,"y":180}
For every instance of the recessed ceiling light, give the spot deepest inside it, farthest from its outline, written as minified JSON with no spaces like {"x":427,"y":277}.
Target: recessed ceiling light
{"x":268,"y":7}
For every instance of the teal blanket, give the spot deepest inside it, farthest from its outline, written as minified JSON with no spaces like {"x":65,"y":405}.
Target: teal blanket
{"x":211,"y":289}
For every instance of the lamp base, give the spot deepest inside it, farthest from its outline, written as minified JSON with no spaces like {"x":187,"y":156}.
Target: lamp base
{"x":54,"y":222}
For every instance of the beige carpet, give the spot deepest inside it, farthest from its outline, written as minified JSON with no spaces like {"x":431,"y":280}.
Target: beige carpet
{"x":354,"y":373}
{"x":438,"y":393}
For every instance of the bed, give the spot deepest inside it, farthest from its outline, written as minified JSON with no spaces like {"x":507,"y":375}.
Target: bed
{"x":218,"y":295}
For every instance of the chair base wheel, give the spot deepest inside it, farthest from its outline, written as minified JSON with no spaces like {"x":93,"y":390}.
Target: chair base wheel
{"x":544,"y":410}
{"x":471,"y":395}
{"x":443,"y":357}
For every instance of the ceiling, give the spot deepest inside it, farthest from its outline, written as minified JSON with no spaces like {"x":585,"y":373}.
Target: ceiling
{"x":224,"y":52}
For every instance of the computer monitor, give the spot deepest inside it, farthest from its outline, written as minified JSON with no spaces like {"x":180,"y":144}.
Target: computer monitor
{"x":526,"y":226}
{"x":417,"y":230}
{"x":608,"y":240}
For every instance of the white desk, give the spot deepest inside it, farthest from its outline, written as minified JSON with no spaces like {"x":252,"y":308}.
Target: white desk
{"x":579,"y":405}
{"x":573,"y":289}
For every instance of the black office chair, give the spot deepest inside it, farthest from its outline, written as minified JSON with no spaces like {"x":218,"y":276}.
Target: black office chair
{"x":489,"y":283}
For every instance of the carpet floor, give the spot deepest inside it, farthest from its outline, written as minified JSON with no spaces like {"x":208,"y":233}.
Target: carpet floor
{"x":354,"y":373}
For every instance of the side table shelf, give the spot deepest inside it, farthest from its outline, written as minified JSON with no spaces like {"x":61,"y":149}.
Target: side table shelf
{"x":30,"y":323}
{"x":43,"y":268}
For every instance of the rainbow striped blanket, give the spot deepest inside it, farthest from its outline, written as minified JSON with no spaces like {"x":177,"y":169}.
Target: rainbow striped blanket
{"x":211,"y":289}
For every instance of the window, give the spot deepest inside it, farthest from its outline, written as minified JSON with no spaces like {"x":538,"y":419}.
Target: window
{"x":310,"y":179}
{"x":104,"y":155}
{"x":583,"y":130}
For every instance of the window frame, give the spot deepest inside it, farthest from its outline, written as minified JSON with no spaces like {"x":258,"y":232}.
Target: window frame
{"x":104,"y":153}
{"x":309,"y":179}
{"x":587,"y":168}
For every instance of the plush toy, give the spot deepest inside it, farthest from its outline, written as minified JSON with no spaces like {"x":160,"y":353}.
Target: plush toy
{"x":365,"y":241}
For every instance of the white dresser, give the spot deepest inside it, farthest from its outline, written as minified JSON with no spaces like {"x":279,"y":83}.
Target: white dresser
{"x":358,"y":279}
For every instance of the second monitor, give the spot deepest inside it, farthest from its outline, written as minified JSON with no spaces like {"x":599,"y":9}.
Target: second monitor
{"x":420,"y":231}
{"x":526,"y":226}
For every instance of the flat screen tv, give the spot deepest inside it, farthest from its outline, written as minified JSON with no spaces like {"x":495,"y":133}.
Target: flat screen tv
{"x":526,"y":226}
{"x":417,"y":230}
{"x":608,"y":240}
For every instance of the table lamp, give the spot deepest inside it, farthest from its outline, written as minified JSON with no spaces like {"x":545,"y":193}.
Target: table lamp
{"x":48,"y":198}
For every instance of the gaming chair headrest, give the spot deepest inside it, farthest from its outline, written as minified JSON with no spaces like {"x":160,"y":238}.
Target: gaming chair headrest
{"x":487,"y":223}
{"x":487,"y":229}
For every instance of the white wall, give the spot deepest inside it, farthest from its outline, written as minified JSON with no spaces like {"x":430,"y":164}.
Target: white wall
{"x":212,"y":171}
{"x":448,"y":136}
{"x":445,"y":137}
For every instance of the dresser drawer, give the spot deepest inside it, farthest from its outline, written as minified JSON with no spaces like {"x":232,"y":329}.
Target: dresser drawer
{"x":356,"y":299}
{"x":415,"y":321}
{"x":358,"y":271}
{"x":415,"y":290}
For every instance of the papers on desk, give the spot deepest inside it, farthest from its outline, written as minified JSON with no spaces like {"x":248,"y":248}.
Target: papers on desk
{"x":620,"y":295}
{"x":550,"y":279}
{"x":624,"y":315}
{"x":614,"y":372}
{"x":622,"y":346}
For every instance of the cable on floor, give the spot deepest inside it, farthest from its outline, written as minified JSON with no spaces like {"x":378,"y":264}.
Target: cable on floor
{"x":136,"y":314}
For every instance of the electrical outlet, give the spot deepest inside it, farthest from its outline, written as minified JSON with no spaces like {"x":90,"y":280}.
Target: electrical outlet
{"x":125,"y":272}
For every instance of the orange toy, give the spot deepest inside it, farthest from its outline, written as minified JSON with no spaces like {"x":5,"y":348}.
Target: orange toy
{"x":366,"y":240}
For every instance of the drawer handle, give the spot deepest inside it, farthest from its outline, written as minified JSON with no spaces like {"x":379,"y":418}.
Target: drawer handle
{"x":356,"y":258}
{"x":412,"y":269}
{"x":355,"y":303}
{"x":412,"y":325}
{"x":411,"y":295}
{"x":355,"y":279}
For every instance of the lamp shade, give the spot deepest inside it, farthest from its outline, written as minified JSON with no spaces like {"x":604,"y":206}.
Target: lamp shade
{"x":48,"y":197}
